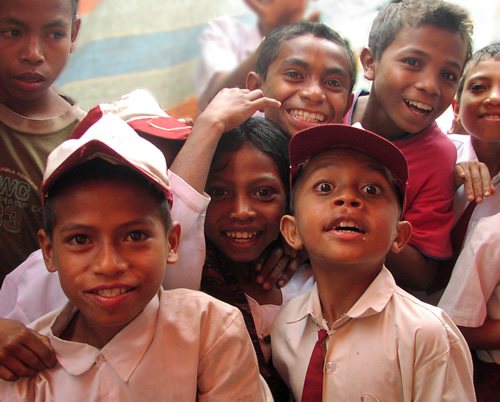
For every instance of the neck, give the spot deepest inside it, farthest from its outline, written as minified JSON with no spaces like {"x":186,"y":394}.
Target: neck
{"x":488,"y":153}
{"x":372,"y":117}
{"x":340,"y":287}
{"x":49,"y":105}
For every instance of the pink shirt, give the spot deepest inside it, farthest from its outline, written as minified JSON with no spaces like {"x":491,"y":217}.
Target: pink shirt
{"x":184,"y":346}
{"x":473,"y":293}
{"x":388,"y":347}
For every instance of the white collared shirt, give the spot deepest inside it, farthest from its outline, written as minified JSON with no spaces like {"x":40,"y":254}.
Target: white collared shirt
{"x":388,"y":347}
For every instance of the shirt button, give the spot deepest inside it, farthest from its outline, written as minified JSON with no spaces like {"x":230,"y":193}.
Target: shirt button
{"x":330,"y":367}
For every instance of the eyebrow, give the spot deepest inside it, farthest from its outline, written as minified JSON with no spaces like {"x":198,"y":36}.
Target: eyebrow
{"x":59,"y":22}
{"x":297,"y":61}
{"x":453,"y":63}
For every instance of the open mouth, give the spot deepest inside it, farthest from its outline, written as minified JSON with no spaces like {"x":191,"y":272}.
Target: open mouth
{"x":111,"y":292}
{"x":492,"y":116}
{"x":419,"y":107}
{"x":241,"y":237}
{"x":310,"y":117}
{"x":349,"y":226}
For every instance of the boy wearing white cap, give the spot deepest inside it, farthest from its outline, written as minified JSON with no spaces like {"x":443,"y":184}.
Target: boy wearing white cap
{"x":109,"y":235}
{"x":357,"y":335}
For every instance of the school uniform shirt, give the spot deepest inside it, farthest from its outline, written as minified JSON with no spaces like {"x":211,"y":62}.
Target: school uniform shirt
{"x":30,"y":291}
{"x":490,"y":205}
{"x":184,"y":346}
{"x":224,"y":44}
{"x":473,"y":293}
{"x":388,"y":347}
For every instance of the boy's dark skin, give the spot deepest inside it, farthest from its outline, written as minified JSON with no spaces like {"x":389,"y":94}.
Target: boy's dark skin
{"x":425,"y":63}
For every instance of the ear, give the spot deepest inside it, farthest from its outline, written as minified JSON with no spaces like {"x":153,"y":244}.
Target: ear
{"x":368,"y":63}
{"x":254,"y":81}
{"x":288,"y":227}
{"x":349,"y":104}
{"x":173,"y":238}
{"x":75,"y":28}
{"x":456,"y":109}
{"x":401,"y":236}
{"x":47,"y":250}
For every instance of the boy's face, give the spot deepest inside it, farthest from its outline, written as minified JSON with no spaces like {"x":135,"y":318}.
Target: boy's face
{"x":247,"y":202}
{"x":346,"y":211}
{"x":311,"y":79}
{"x":416,"y":77}
{"x":110,"y":249}
{"x":479,"y":109}
{"x":36,"y":38}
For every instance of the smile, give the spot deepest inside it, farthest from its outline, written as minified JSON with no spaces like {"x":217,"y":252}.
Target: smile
{"x":419,"y":107}
{"x":309,"y":117}
{"x":241,"y":237}
{"x":111,"y":292}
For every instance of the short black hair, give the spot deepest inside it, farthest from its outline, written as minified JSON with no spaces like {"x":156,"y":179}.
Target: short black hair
{"x":264,"y":135}
{"x":488,"y":52}
{"x":271,"y":45}
{"x":393,"y":17}
{"x":74,"y":8}
{"x":98,"y":169}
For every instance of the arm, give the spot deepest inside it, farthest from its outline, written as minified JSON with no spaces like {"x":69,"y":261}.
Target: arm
{"x":229,"y":109}
{"x":23,"y":352}
{"x":485,"y":337}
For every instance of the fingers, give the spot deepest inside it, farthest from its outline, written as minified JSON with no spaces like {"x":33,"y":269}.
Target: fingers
{"x":269,"y":267}
{"x":476,"y":179}
{"x":23,"y":352}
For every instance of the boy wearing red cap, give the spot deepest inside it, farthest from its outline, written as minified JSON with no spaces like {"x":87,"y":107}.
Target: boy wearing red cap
{"x":375,"y":341}
{"x":109,"y":235}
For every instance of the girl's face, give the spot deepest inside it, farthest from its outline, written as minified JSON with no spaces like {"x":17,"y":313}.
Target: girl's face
{"x":248,"y":200}
{"x":479,"y":108}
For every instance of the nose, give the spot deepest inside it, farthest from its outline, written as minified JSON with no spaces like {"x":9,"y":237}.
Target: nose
{"x":242,"y":209}
{"x":494,"y":96}
{"x":32,"y":50}
{"x":313,"y":92}
{"x":429,"y":83}
{"x":347,"y":198}
{"x":109,"y":260}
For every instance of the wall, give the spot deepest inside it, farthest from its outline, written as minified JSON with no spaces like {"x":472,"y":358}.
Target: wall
{"x":148,"y":44}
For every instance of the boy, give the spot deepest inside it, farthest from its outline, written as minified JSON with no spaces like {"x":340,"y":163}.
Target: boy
{"x":310,"y":69}
{"x":108,"y":233}
{"x":415,"y":56}
{"x":229,"y":47}
{"x":381,"y":343}
{"x":36,"y":38}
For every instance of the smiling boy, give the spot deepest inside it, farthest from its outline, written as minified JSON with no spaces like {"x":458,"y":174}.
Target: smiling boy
{"x":310,"y":69}
{"x":378,"y":342}
{"x":109,"y":235}
{"x":415,"y":56}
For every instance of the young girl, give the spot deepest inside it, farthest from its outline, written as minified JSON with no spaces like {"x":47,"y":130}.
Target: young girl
{"x":248,"y":183}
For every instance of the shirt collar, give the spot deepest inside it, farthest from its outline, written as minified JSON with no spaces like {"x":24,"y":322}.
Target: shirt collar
{"x":123,"y":353}
{"x":371,"y":302}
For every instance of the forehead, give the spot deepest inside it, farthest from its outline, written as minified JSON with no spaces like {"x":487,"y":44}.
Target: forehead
{"x":311,"y":50}
{"x":36,"y":11}
{"x":438,"y":44}
{"x":486,"y":68}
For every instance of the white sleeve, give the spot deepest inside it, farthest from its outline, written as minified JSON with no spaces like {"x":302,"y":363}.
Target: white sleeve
{"x":189,"y":209}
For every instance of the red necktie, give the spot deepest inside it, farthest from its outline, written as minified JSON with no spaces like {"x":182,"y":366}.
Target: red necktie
{"x":313,"y":384}
{"x":457,"y":236}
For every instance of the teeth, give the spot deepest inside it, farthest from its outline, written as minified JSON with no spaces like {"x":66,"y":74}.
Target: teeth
{"x":241,"y":237}
{"x":304,"y":115}
{"x":348,"y":226}
{"x":111,"y":292}
{"x":419,"y":105}
{"x":492,"y":116}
